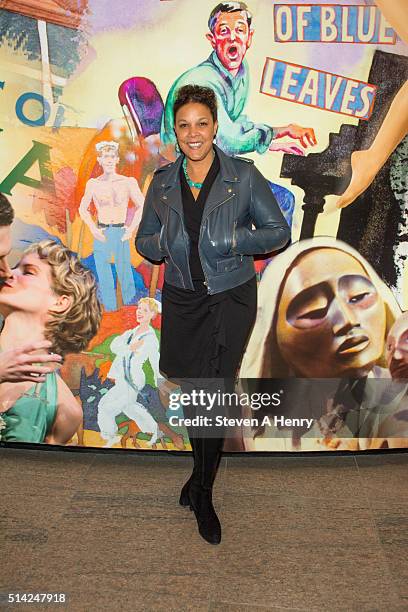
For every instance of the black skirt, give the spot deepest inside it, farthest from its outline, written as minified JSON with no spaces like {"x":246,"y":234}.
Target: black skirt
{"x":202,"y":335}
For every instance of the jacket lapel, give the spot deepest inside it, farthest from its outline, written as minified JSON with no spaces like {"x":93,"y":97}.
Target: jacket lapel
{"x":172,"y":197}
{"x":170,"y":184}
{"x":224,"y":186}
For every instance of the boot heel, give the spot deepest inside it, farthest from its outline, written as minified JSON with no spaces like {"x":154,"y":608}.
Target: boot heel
{"x":184,"y":495}
{"x":184,"y":499}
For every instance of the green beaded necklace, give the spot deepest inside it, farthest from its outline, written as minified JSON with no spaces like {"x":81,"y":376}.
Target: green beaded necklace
{"x":188,"y":179}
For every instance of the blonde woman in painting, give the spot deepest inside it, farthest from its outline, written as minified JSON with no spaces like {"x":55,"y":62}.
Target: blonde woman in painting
{"x":49,"y":296}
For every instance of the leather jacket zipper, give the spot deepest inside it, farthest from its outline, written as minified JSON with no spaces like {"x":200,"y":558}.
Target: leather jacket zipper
{"x":176,"y":266}
{"x":219,"y":204}
{"x":234,"y":240}
{"x":186,"y":240}
{"x":201,"y":233}
{"x":171,"y":258}
{"x":202,"y":267}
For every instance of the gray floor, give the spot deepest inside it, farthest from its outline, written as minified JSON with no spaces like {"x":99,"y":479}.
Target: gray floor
{"x":299,"y":533}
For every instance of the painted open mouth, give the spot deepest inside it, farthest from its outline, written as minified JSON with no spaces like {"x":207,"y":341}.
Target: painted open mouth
{"x":355,"y":344}
{"x":233,"y":52}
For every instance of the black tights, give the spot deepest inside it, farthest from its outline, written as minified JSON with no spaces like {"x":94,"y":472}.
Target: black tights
{"x":207,"y":455}
{"x":206,"y":442}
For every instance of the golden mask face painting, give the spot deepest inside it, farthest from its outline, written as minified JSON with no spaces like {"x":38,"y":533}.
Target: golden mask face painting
{"x":331,"y":319}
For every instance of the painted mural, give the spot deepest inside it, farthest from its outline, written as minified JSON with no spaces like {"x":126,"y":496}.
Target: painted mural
{"x":317,"y":95}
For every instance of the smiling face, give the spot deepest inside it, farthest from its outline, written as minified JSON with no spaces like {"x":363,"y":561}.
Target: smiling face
{"x":195,"y":130}
{"x":397,"y":348}
{"x":29,"y":289}
{"x":143,"y":313}
{"x":331,"y":320}
{"x":231,"y":38}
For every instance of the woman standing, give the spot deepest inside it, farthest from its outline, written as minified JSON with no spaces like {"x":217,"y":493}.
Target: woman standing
{"x":198,"y":217}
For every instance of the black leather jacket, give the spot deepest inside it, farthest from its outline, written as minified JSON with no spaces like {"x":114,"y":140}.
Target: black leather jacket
{"x":239,"y":198}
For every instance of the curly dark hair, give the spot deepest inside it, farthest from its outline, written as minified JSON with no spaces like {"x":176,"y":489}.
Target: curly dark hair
{"x":196,"y":93}
{"x":70,"y":331}
{"x":6,"y":211}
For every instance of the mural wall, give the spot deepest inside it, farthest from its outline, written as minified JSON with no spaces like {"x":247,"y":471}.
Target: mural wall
{"x":317,"y":95}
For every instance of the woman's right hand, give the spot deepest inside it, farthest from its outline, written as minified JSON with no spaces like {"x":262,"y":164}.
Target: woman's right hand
{"x":24,"y":363}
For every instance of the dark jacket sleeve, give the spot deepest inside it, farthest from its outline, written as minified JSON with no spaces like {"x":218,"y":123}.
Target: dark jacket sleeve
{"x":272,"y":232}
{"x":149,"y":237}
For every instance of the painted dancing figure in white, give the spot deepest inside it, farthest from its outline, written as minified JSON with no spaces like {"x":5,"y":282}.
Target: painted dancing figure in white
{"x":132,"y":349}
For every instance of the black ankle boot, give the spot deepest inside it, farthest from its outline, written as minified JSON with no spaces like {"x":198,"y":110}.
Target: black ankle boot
{"x":209,"y":525}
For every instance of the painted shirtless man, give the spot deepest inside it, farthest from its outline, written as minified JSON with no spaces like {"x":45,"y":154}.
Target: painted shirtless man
{"x":110,"y":194}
